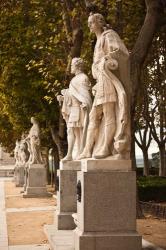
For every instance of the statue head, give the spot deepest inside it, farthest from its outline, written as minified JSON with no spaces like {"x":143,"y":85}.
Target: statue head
{"x":33,"y":120}
{"x":77,"y":65}
{"x":96,"y":22}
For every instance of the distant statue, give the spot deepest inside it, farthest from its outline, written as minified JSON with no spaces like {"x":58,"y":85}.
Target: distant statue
{"x":109,"y":123}
{"x":76,"y":105}
{"x":23,"y":150}
{"x":33,"y":140}
{"x":16,"y":152}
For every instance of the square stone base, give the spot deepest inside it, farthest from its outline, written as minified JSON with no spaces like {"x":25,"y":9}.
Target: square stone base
{"x":32,"y":192}
{"x":106,"y":201}
{"x":20,"y":176}
{"x":107,"y":241}
{"x":73,"y":240}
{"x":36,"y":182}
{"x":64,"y":221}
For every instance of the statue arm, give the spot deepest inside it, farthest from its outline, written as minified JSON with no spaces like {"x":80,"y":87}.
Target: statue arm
{"x":60,"y":98}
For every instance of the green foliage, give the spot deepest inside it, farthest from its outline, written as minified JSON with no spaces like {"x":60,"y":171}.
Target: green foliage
{"x":34,"y":51}
{"x":151,"y":181}
{"x":152,"y":188}
{"x":28,"y":70}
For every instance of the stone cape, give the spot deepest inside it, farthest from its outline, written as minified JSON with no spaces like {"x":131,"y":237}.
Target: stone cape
{"x":114,"y":48}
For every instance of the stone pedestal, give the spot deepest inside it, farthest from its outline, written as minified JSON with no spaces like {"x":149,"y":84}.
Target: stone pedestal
{"x":19,"y":175}
{"x":106,"y":207}
{"x":25,"y":177}
{"x":66,"y":195}
{"x":36,"y":181}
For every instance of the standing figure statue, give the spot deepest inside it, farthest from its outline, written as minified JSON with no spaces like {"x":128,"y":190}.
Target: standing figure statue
{"x":109,"y":126}
{"x":24,"y":153}
{"x":16,"y":153}
{"x":33,"y":141}
{"x":76,"y":105}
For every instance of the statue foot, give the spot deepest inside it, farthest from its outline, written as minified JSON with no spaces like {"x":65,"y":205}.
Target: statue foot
{"x":102,"y":154}
{"x":84,"y":155}
{"x":74,"y":215}
{"x":67,"y":158}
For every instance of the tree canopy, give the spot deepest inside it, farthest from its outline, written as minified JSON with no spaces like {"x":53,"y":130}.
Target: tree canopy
{"x":38,"y":40}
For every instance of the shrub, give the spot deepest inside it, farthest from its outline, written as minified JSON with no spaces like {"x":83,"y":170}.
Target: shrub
{"x":152,"y":188}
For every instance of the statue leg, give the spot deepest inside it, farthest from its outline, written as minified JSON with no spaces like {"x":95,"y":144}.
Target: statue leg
{"x":78,"y":142}
{"x":71,"y":141}
{"x":93,"y":127}
{"x":109,"y":130}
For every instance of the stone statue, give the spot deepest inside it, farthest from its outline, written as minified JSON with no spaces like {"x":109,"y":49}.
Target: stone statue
{"x":76,"y":105}
{"x":109,"y":124}
{"x":23,"y":150}
{"x":16,"y":153}
{"x":33,"y":141}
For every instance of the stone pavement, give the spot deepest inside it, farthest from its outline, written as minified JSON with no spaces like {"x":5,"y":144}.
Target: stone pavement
{"x":30,"y":209}
{"x":3,"y":225}
{"x":30,"y":247}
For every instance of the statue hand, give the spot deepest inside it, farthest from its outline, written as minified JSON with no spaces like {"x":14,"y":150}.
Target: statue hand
{"x":93,"y":92}
{"x":83,"y":105}
{"x":112,"y":63}
{"x":59,"y":98}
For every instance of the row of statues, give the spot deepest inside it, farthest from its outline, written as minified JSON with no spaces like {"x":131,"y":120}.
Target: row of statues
{"x":100,"y":129}
{"x":28,"y":148}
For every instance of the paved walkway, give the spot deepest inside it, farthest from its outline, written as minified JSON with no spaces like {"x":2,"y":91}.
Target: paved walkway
{"x":30,"y":209}
{"x":3,"y":225}
{"x":30,"y":247}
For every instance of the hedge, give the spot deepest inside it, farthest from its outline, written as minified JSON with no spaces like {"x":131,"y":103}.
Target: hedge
{"x":152,"y":188}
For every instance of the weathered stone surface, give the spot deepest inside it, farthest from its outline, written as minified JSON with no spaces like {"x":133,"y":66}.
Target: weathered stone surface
{"x":66,"y":196}
{"x":108,"y":201}
{"x":107,"y":241}
{"x":36,"y":181}
{"x":19,"y":175}
{"x":107,"y":164}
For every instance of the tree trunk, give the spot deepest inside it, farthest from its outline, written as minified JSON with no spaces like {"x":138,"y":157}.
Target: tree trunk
{"x":74,"y":33}
{"x":140,"y":214}
{"x":162,"y":165}
{"x":132,"y":155}
{"x":146,"y":162}
{"x":26,"y":9}
{"x":152,"y":22}
{"x":60,"y":143}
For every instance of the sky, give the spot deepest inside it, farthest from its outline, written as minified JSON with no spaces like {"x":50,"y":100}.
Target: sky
{"x":152,"y":149}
